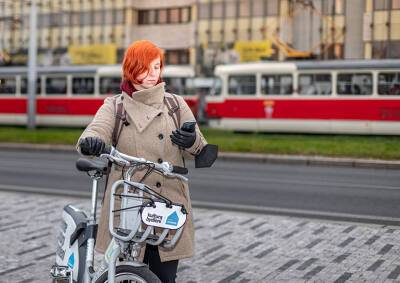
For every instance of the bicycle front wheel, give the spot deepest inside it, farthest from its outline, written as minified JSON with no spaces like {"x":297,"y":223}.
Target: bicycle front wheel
{"x":130,"y":274}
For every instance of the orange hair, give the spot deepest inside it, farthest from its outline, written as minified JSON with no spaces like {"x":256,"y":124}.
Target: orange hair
{"x":137,"y":59}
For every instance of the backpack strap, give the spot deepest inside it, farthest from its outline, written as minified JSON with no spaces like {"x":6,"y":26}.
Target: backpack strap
{"x":173,"y":110}
{"x":120,"y":122}
{"x":172,"y":104}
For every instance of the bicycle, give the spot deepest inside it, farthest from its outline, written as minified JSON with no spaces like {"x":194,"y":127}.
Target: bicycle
{"x":139,"y":205}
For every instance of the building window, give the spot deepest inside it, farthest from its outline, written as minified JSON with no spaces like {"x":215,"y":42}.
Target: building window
{"x":55,"y":19}
{"x":175,"y":57}
{"x":258,"y":8}
{"x":244,"y":9}
{"x":217,"y":10}
{"x":119,"y":17}
{"x":395,"y":4}
{"x":98,"y":16}
{"x":332,"y":7}
{"x":174,"y":16}
{"x":86,"y":18}
{"x":75,"y":18}
{"x":381,"y":5}
{"x":277,"y":84}
{"x":143,"y":18}
{"x":185,"y":14}
{"x":272,"y":7}
{"x":65,"y":18}
{"x":379,"y":49}
{"x":164,"y":16}
{"x":332,"y":51}
{"x":230,"y":9}
{"x":394,"y":49}
{"x":204,"y":11}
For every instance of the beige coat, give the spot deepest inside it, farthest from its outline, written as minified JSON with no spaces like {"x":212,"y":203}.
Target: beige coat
{"x":147,"y":136}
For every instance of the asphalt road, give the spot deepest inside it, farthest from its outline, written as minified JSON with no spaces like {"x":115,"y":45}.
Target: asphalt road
{"x":333,"y":192}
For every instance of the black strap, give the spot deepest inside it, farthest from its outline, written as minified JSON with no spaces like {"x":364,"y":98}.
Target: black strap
{"x":120,"y":122}
{"x":173,"y":109}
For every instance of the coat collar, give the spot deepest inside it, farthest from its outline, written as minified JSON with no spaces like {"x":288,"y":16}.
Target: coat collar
{"x":144,"y":105}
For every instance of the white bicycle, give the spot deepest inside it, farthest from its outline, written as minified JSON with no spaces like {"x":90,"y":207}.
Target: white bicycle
{"x":141,"y":211}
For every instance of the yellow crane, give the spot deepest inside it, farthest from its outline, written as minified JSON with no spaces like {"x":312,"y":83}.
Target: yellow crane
{"x":292,"y":53}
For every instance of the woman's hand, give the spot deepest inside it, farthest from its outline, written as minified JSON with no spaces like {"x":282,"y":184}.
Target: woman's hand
{"x":91,"y":146}
{"x":183,"y":138}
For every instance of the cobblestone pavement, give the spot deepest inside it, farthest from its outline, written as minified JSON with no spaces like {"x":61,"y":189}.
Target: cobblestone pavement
{"x":230,"y":246}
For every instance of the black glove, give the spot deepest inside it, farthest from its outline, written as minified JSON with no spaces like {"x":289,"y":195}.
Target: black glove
{"x":91,"y":146}
{"x":183,"y":138}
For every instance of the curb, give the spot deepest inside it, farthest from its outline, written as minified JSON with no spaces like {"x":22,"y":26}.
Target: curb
{"x":246,"y":157}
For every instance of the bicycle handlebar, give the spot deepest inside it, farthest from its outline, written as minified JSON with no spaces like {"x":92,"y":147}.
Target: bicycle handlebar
{"x":166,"y":168}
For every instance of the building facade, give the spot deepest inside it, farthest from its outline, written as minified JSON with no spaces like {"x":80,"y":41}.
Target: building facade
{"x":204,"y":32}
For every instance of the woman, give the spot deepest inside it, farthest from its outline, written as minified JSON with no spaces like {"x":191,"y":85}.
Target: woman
{"x":150,"y":132}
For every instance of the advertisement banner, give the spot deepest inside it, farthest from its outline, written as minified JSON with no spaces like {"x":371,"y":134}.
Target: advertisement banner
{"x":93,"y":54}
{"x":254,"y":50}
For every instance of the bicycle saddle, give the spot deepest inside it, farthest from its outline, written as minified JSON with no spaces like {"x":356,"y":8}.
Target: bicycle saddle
{"x":87,"y":165}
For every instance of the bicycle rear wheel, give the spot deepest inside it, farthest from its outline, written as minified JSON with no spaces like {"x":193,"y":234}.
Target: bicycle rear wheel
{"x":130,"y":274}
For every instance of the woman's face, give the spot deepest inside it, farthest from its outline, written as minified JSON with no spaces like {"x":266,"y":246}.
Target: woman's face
{"x":150,"y":78}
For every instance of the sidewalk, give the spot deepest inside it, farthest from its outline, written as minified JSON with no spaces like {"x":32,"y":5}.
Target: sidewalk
{"x":230,"y":246}
{"x":248,"y":157}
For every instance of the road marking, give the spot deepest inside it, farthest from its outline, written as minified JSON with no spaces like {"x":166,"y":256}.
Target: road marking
{"x":301,"y":213}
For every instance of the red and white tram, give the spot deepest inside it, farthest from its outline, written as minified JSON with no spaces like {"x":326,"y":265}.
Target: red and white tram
{"x":70,"y":96}
{"x":349,"y":97}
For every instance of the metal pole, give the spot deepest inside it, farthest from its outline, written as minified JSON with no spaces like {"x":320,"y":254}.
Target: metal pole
{"x":32,"y":75}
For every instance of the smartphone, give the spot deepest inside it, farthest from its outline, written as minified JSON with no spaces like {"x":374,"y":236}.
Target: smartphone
{"x":189,"y":126}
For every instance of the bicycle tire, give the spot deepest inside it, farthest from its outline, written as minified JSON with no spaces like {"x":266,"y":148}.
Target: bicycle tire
{"x":129,"y":273}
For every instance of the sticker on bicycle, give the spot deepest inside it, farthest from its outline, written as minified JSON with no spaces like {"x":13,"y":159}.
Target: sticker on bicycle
{"x":164,"y":217}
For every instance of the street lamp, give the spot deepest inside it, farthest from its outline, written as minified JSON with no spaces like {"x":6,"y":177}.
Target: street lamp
{"x":32,"y":72}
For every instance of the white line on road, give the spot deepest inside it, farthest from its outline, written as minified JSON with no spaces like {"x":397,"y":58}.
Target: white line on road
{"x":234,"y":207}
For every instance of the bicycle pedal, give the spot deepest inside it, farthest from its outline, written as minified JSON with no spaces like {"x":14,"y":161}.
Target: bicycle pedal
{"x":60,"y":272}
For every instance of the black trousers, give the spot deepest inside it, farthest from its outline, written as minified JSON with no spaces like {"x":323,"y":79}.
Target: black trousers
{"x":165,"y":271}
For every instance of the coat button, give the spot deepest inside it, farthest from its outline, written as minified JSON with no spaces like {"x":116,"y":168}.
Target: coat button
{"x":158,"y":184}
{"x":160,"y":160}
{"x":160,"y":136}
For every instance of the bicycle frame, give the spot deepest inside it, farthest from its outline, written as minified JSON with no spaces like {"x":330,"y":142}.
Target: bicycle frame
{"x":128,"y":237}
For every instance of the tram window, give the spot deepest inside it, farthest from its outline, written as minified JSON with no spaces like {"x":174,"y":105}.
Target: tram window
{"x":83,"y":85}
{"x":56,"y":85}
{"x":242,"y":85}
{"x":110,"y":85}
{"x":315,"y":84}
{"x":354,"y":84}
{"x":8,"y":86}
{"x":277,"y":84}
{"x":389,"y":84}
{"x":180,"y":86}
{"x":217,"y":87}
{"x":24,"y":86}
